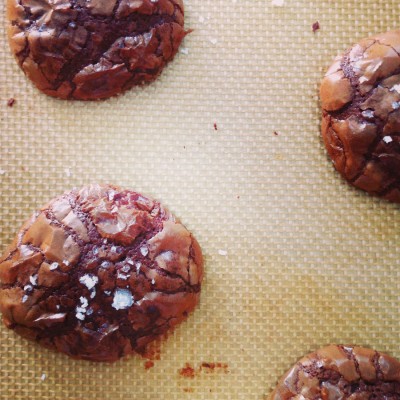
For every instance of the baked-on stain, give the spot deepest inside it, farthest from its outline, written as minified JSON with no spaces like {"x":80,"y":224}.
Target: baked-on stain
{"x":98,"y":273}
{"x":190,"y":371}
{"x":360,"y":97}
{"x":93,"y":49}
{"x":188,"y":390}
{"x":187,"y":371}
{"x":341,"y":372}
{"x":148,"y":364}
{"x":212,"y":366}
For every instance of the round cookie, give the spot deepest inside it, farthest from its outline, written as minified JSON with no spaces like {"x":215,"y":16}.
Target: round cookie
{"x":341,"y":372}
{"x":98,"y":273}
{"x":93,"y":49}
{"x":360,"y":97}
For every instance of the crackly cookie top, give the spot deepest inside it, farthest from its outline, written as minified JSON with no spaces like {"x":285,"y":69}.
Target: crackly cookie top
{"x":340,"y":372}
{"x":98,"y":273}
{"x":360,"y":96}
{"x":93,"y":49}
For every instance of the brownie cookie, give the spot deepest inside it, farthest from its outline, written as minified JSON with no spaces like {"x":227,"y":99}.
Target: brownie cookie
{"x":93,"y":49}
{"x":360,"y":97}
{"x":98,"y":273}
{"x":341,"y":372}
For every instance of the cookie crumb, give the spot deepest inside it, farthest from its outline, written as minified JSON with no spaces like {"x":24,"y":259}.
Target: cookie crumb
{"x":11,"y":101}
{"x":188,"y":390}
{"x":315,"y":26}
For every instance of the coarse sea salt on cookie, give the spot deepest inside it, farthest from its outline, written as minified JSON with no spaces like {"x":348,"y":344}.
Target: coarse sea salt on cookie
{"x":100,"y":272}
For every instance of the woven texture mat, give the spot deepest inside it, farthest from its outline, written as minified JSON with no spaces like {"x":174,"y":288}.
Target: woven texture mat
{"x":295,"y":258}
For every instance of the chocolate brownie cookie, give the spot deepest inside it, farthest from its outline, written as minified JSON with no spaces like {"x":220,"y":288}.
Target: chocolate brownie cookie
{"x":360,"y":97}
{"x":341,"y":372}
{"x":98,"y":273}
{"x":93,"y":49}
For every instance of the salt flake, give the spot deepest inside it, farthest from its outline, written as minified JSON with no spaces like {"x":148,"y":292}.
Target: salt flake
{"x":184,"y":50}
{"x":24,"y":298}
{"x":33,"y":280}
{"x":278,"y":3}
{"x":144,"y":250}
{"x":89,"y":281}
{"x":53,"y":266}
{"x":387,"y":139}
{"x":80,"y":316}
{"x":84,"y":302}
{"x":43,"y":377}
{"x":2,"y":171}
{"x":368,"y":114}
{"x":122,"y":276}
{"x":126,"y":268}
{"x":122,"y":299}
{"x":222,"y":252}
{"x":28,"y":288}
{"x":396,"y":88}
{"x":67,"y":172}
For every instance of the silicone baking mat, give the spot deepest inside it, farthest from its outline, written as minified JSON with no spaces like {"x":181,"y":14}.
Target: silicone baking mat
{"x":295,"y":258}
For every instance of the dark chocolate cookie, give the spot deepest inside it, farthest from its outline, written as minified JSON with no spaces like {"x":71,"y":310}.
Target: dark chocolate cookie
{"x":341,"y":372}
{"x":360,"y":97}
{"x":98,"y":273}
{"x":93,"y":49}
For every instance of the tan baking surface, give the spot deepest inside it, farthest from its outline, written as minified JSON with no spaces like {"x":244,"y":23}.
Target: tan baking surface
{"x":309,"y":260}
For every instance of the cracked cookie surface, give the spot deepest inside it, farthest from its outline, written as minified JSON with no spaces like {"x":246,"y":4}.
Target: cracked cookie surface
{"x":98,"y":273}
{"x":93,"y":49}
{"x":341,"y":372}
{"x":360,"y":96}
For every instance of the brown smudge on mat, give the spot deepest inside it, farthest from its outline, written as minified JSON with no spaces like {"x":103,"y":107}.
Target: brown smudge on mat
{"x":190,"y":371}
{"x":187,"y":371}
{"x":148,"y":364}
{"x":210,"y":367}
